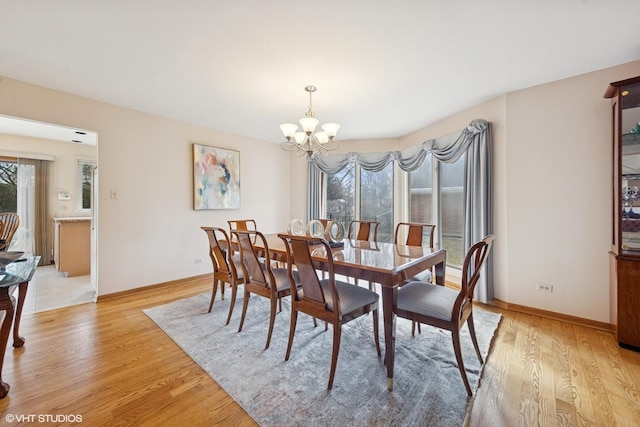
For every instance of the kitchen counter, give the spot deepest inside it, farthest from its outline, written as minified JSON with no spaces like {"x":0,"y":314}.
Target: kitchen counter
{"x":72,"y":245}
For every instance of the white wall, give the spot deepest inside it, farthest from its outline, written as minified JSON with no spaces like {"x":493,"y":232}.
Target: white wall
{"x":151,"y":234}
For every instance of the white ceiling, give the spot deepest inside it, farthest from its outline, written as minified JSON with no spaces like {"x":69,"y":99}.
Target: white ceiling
{"x":382,"y":68}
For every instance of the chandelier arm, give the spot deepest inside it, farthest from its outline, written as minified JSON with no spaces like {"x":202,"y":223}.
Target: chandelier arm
{"x":289,"y":146}
{"x":331,"y":145}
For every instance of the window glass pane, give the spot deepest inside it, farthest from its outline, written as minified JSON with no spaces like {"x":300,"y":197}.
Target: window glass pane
{"x":8,"y":187}
{"x":452,"y":205}
{"x":376,"y":200}
{"x":341,"y":195}
{"x":421,"y":193}
{"x":86,"y":178}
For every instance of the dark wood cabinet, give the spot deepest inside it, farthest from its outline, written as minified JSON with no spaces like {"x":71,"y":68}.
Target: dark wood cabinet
{"x":625,"y":238}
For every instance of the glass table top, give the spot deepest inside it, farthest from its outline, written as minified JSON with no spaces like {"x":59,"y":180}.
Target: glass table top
{"x":19,"y":271}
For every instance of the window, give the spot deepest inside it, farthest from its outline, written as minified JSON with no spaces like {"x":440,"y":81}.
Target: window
{"x":85,"y":174}
{"x":373,"y":192}
{"x":452,"y":210}
{"x":8,"y":185}
{"x":436,"y":196}
{"x":341,"y":195}
{"x":376,"y":200}
{"x":421,"y":193}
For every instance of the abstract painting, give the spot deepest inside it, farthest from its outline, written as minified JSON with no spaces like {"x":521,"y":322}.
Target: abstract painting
{"x":216,"y":178}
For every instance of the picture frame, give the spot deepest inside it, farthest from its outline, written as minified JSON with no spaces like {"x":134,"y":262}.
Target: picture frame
{"x":216,"y":178}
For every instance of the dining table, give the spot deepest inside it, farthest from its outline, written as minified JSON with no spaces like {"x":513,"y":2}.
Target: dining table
{"x":15,"y":274}
{"x":388,"y":264}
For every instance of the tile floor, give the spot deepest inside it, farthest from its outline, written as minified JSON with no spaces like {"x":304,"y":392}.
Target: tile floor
{"x":49,"y":289}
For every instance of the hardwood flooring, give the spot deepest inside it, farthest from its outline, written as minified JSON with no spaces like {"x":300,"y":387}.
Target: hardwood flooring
{"x":109,"y":364}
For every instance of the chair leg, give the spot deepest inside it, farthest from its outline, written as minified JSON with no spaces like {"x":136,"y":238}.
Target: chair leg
{"x":222,"y":290}
{"x":413,"y":328}
{"x":234,"y":292}
{"x":245,"y":303}
{"x":337,"y":330}
{"x":472,"y":332}
{"x":292,"y":331}
{"x":272,"y":321}
{"x":213,"y":294}
{"x":455,"y":335}
{"x":375,"y":332}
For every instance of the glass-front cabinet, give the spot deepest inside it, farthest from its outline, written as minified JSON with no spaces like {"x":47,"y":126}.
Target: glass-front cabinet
{"x":625,"y":248}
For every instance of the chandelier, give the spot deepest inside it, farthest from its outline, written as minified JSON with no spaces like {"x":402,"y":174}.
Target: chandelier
{"x":305,"y":141}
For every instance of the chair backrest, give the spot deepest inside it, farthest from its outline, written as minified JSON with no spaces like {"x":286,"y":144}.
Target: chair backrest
{"x":218,"y":250}
{"x":366,"y":230}
{"x":473,"y":262}
{"x":242,"y":225}
{"x":256,"y":271}
{"x":300,"y":248}
{"x":417,"y":234}
{"x":324,"y":221}
{"x":11,"y":222}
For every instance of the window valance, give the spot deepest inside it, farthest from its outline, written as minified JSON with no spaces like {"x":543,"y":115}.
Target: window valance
{"x":448,"y":148}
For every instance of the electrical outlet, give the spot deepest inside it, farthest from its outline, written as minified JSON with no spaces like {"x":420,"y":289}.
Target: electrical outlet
{"x":113,"y":194}
{"x":544,"y":287}
{"x":198,"y":260}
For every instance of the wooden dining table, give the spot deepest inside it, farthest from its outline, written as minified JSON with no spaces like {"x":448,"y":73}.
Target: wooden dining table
{"x":388,"y":264}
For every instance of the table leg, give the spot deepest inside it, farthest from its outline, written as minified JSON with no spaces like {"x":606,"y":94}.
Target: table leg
{"x":18,"y":341}
{"x":440,"y":271}
{"x":7,"y":304}
{"x":389,"y":298}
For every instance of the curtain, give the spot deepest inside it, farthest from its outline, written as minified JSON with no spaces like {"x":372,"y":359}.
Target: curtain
{"x":314,"y":184}
{"x":26,"y":202}
{"x":34,"y":234}
{"x":475,"y":140}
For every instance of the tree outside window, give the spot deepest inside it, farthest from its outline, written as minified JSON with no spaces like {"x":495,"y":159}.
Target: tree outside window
{"x":8,"y":186}
{"x":85,"y":170}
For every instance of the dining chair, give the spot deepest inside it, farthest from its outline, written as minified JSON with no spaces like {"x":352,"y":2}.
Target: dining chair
{"x":261,"y":278}
{"x":11,"y":222}
{"x":225,"y":269}
{"x":330,"y":300}
{"x":415,"y":234}
{"x":448,"y":308}
{"x":363,"y":230}
{"x":243,"y":225}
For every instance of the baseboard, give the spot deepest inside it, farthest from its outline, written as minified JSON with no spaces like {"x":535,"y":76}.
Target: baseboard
{"x":553,"y":315}
{"x":172,"y":283}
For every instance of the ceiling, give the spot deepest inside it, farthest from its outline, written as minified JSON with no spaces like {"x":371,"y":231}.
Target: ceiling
{"x":382,"y":69}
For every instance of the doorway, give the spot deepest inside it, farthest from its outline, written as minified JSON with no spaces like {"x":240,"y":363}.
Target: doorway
{"x":68,"y":150}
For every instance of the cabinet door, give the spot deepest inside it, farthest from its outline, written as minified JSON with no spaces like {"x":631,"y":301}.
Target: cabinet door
{"x":629,"y":303}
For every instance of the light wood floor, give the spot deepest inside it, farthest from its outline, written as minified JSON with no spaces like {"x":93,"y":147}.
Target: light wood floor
{"x":111,"y":365}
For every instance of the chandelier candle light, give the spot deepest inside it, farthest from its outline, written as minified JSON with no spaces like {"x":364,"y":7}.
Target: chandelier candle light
{"x":305,"y":141}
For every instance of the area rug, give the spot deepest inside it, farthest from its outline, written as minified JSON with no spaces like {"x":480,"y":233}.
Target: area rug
{"x":428,"y":389}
